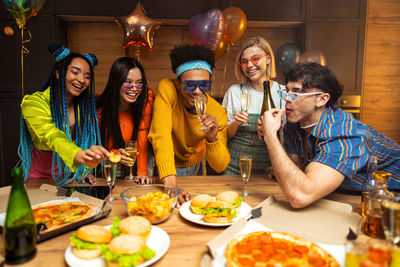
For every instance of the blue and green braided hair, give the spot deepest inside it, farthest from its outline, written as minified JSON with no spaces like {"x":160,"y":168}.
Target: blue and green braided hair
{"x":86,"y":129}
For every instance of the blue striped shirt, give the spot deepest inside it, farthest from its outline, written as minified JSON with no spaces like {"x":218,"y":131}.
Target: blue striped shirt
{"x":344,"y":143}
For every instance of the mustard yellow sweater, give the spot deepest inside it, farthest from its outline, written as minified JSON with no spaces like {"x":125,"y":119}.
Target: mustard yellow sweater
{"x":175,"y":135}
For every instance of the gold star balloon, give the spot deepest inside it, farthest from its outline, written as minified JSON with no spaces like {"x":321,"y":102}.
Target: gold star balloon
{"x":138,"y":28}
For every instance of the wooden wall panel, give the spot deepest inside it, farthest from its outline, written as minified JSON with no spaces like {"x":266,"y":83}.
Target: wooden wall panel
{"x":381,"y":93}
{"x":342,"y":9}
{"x":104,"y":40}
{"x":339,"y":42}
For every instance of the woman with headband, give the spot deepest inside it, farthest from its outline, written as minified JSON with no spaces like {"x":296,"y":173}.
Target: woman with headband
{"x":254,"y":67}
{"x":179,"y":145}
{"x":59,"y":132}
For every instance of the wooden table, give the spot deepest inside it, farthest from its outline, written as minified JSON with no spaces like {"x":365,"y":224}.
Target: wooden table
{"x":188,"y":240}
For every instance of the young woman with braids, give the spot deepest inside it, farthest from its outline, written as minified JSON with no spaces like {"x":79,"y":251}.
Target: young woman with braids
{"x":124,"y":111}
{"x":59,"y":131}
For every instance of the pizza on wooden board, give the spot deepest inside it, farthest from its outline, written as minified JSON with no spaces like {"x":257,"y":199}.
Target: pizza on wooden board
{"x":59,"y":214}
{"x":276,"y":249}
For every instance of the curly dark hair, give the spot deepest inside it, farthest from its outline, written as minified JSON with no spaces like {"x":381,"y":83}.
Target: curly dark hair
{"x":314,"y":75}
{"x":185,"y":53}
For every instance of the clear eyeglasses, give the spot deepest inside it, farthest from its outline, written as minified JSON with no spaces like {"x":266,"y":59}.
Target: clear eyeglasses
{"x":293,"y":96}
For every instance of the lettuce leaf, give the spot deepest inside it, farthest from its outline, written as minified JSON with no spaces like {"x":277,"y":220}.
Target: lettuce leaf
{"x":216,"y":210}
{"x":80,"y":244}
{"x":237,"y":203}
{"x":127,"y":260}
{"x":114,"y":228}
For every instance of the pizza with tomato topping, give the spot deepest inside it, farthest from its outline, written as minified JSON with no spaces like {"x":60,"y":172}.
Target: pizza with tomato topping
{"x":59,"y":214}
{"x":275,"y":249}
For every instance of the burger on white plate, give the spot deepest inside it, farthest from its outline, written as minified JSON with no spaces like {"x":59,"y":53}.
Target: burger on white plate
{"x":135,"y":225}
{"x":231,"y":197}
{"x":87,"y":242}
{"x":219,"y":212}
{"x":199,"y":202}
{"x":127,"y":250}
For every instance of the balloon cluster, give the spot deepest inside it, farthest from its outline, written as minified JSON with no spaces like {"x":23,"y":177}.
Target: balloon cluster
{"x":23,"y":10}
{"x":217,"y":29}
{"x":289,"y":54}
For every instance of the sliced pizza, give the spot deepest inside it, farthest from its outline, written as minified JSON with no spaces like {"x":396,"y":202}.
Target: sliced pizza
{"x":59,"y":214}
{"x":276,"y":249}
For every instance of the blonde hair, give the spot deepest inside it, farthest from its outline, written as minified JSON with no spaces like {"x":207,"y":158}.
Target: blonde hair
{"x":262,"y":44}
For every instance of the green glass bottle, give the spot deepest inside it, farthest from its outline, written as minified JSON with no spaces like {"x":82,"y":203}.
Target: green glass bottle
{"x":19,"y":228}
{"x":267,"y":96}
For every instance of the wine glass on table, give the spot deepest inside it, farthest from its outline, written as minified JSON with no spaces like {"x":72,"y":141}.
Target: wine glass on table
{"x":200,"y":102}
{"x":245,"y":171}
{"x":110,"y":172}
{"x":390,"y":213}
{"x":245,"y":98}
{"x":131,"y":150}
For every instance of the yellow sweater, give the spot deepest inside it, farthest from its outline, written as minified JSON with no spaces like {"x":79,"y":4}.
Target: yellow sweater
{"x":175,"y":135}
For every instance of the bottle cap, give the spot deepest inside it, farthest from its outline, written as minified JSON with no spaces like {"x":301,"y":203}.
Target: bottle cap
{"x":16,"y":171}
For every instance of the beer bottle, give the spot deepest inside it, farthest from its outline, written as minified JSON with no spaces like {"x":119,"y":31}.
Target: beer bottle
{"x":372,"y":222}
{"x":369,"y":182}
{"x":267,"y":97}
{"x":19,"y":227}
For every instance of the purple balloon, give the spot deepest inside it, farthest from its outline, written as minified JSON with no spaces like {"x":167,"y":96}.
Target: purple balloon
{"x":207,"y":29}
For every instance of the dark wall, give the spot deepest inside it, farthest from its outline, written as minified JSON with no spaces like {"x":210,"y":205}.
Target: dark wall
{"x":340,"y":19}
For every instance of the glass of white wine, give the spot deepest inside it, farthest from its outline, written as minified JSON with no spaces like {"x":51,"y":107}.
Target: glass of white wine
{"x":130,"y":148}
{"x":245,"y":98}
{"x":110,"y":174}
{"x":200,"y":102}
{"x":390,"y":213}
{"x":245,"y":171}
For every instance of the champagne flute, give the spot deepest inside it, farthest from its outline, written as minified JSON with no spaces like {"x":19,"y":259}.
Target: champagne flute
{"x":200,"y":102}
{"x":245,"y":171}
{"x":245,"y":98}
{"x":130,"y":147}
{"x":390,"y":212}
{"x":110,"y":174}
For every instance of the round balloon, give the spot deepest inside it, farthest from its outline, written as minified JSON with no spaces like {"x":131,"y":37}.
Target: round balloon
{"x":220,"y":50}
{"x":138,"y":28}
{"x":234,"y":23}
{"x":22,"y":10}
{"x":313,"y":56}
{"x":287,"y":55}
{"x":207,"y":29}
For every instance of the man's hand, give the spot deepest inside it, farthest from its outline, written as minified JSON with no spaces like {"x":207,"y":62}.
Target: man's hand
{"x":270,"y":122}
{"x":241,"y":117}
{"x":144,"y":179}
{"x":92,"y":156}
{"x":91,"y":179}
{"x":183,"y":195}
{"x":211,"y":123}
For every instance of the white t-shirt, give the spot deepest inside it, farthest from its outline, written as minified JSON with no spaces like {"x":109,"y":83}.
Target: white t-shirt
{"x":231,"y":100}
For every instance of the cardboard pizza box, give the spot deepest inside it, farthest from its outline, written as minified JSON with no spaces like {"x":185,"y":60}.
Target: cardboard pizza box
{"x":47,"y":193}
{"x":325,"y":221}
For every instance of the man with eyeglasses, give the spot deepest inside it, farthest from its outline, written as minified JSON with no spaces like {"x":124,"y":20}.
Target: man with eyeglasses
{"x":179,"y":144}
{"x":326,"y":148}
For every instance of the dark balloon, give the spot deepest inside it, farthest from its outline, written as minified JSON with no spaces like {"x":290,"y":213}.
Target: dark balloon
{"x":207,"y":29}
{"x":287,"y":55}
{"x":23,"y":10}
{"x":138,"y":28}
{"x":313,"y":56}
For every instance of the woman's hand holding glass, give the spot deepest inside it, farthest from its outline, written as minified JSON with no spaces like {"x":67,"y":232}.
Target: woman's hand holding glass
{"x":241,"y":118}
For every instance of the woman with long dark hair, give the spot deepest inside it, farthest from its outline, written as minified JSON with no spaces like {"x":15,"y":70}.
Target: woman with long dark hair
{"x":59,"y":131}
{"x":124,"y":111}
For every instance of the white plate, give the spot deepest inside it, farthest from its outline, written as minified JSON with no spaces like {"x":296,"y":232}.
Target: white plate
{"x":186,"y":213}
{"x":158,"y":241}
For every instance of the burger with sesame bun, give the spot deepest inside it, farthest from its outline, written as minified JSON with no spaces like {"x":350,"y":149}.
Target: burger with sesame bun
{"x":127,"y":250}
{"x":135,"y":225}
{"x":218,"y":212}
{"x":199,"y":202}
{"x":87,"y":242}
{"x":231,"y":197}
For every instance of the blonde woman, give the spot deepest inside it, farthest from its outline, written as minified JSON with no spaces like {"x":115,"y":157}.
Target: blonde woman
{"x":255,"y":64}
